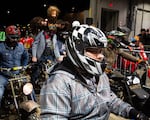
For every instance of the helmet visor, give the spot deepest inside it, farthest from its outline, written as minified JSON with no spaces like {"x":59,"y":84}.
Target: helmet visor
{"x":94,"y":53}
{"x":93,"y":50}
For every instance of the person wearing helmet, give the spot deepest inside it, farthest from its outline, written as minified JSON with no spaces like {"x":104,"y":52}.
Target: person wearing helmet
{"x":12,"y":53}
{"x":78,"y":87}
{"x":115,"y":46}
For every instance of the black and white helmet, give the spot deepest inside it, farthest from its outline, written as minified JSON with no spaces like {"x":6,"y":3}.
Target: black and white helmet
{"x":83,"y":37}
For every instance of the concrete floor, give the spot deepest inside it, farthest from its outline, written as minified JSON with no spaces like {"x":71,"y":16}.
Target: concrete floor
{"x":114,"y":117}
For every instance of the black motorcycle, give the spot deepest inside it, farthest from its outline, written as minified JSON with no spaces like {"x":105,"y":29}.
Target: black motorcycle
{"x":39,"y":73}
{"x":18,"y":102}
{"x":130,"y":90}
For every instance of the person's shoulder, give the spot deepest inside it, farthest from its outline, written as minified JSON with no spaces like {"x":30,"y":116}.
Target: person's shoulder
{"x":63,"y":74}
{"x":20,"y":45}
{"x":59,"y":78}
{"x":1,"y":43}
{"x":64,"y":69}
{"x":42,"y":32}
{"x":40,"y":35}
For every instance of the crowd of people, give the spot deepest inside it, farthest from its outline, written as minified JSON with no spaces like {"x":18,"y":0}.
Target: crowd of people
{"x":78,"y":85}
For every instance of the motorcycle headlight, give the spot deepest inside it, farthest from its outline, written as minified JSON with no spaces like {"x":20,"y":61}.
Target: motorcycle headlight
{"x":27,"y":88}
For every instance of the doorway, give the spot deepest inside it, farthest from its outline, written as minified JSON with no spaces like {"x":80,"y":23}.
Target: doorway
{"x":109,"y":19}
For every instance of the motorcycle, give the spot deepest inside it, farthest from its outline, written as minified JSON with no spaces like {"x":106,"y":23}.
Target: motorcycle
{"x":18,"y":102}
{"x":129,"y":89}
{"x":142,"y":70}
{"x":39,"y":73}
{"x":125,"y":81}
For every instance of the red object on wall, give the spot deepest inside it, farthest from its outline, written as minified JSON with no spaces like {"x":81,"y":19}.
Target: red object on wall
{"x":110,"y":4}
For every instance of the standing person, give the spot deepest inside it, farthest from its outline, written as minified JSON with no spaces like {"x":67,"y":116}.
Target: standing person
{"x":26,"y":40}
{"x":12,"y":54}
{"x":147,"y":41}
{"x":142,"y":36}
{"x":78,"y":87}
{"x":52,"y":14}
{"x":42,"y":47}
{"x":59,"y":39}
{"x":147,"y":37}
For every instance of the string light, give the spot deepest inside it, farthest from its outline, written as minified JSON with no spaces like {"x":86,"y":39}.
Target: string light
{"x":8,"y":12}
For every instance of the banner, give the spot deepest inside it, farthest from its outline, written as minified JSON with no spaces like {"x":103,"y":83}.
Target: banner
{"x":2,"y":36}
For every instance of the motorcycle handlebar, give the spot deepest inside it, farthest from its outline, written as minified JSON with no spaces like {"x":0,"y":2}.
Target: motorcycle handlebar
{"x":14,"y":68}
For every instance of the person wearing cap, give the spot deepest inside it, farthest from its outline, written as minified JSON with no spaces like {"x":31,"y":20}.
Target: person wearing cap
{"x":12,"y":54}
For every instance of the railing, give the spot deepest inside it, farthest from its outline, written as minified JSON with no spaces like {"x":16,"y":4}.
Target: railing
{"x":127,"y":67}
